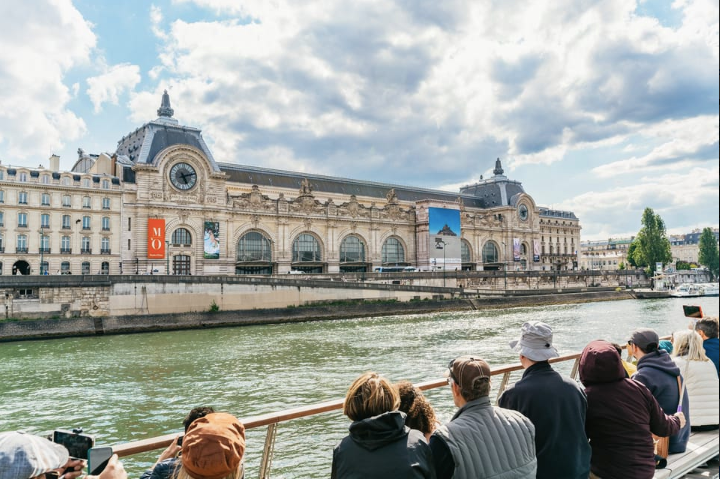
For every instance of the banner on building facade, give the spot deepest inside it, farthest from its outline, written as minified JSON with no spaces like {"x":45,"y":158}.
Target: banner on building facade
{"x":516,"y":249}
{"x":156,"y":238}
{"x":211,"y":244}
{"x":444,"y":241}
{"x":536,"y":250}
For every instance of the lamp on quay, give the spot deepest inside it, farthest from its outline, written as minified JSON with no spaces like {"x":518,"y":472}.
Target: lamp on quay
{"x":167,"y":257}
{"x":42,"y":248}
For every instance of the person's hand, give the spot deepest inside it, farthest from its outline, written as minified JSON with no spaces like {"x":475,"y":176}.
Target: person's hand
{"x":681,"y":415}
{"x":171,"y":451}
{"x":73,"y":468}
{"x":113,"y":470}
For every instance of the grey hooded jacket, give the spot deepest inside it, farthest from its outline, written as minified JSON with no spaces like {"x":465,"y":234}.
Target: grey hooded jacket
{"x":490,"y":442}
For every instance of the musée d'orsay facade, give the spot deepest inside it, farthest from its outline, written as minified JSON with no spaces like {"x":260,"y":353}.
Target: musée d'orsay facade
{"x":162,"y":201}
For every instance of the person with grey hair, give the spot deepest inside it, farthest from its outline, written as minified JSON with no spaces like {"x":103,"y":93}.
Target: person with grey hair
{"x":481,"y":440}
{"x":707,"y":328}
{"x":555,"y":404}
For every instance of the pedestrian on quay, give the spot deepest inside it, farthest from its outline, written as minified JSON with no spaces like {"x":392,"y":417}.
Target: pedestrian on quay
{"x":555,"y":404}
{"x":25,"y":456}
{"x":481,"y":440}
{"x":168,"y":460}
{"x":379,"y":445}
{"x":701,"y":383}
{"x":657,"y":371}
{"x":213,"y":448}
{"x":707,"y":328}
{"x":420,"y":414}
{"x":621,"y":416}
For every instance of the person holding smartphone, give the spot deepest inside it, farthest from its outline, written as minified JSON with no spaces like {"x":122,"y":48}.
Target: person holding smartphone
{"x":168,"y":460}
{"x":25,"y":456}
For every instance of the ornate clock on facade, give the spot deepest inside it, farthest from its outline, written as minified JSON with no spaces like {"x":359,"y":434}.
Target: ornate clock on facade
{"x":523,"y":212}
{"x":183,"y":176}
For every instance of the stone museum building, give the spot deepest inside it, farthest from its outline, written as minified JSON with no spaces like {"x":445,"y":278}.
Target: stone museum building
{"x":162,"y":204}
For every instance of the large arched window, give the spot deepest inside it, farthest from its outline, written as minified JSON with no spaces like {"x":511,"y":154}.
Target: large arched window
{"x":352,"y":250}
{"x":85,"y":268}
{"x":181,"y":237}
{"x":105,"y":268}
{"x":393,"y":251}
{"x":490,"y":253}
{"x":465,"y":255}
{"x":306,"y":248}
{"x":253,"y":246}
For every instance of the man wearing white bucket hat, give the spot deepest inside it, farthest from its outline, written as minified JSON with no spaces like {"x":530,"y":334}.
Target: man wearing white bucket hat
{"x":555,"y":404}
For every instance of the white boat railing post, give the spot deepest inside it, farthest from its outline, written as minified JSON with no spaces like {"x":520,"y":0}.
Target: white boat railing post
{"x":268,"y":450}
{"x":576,"y":366}
{"x":503,"y":385}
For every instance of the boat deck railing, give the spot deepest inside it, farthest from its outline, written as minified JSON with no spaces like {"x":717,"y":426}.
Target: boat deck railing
{"x":271,"y":420}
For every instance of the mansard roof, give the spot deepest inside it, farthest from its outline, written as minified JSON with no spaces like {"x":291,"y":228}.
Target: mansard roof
{"x":497,"y":190}
{"x":327,"y":184}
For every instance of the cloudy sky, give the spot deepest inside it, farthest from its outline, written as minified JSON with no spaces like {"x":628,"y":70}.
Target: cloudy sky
{"x":599,"y":107}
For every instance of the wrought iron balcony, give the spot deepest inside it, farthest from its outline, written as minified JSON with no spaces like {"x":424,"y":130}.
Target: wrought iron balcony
{"x":86,"y":250}
{"x":105,"y":251}
{"x":21,"y":250}
{"x":66,"y":250}
{"x":44,"y":250}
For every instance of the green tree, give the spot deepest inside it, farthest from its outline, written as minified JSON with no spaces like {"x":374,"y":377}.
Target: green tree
{"x":652,"y":243}
{"x":708,"y":252}
{"x":621,"y":266}
{"x":631,"y":254}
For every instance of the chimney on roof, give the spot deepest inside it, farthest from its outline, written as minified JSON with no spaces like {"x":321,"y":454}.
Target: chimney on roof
{"x":54,"y":162}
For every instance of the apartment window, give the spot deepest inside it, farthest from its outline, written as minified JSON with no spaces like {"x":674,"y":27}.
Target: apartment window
{"x":45,"y":199}
{"x":86,"y":223}
{"x":105,"y":246}
{"x":22,"y":177}
{"x":2,"y":248}
{"x":65,"y":267}
{"x":44,"y":267}
{"x":2,"y":174}
{"x":86,"y":202}
{"x":67,"y":201}
{"x":22,"y":220}
{"x":2,"y":218}
{"x":106,"y":223}
{"x":22,"y":244}
{"x":45,"y":221}
{"x":105,"y":268}
{"x":22,"y":198}
{"x":105,"y":185}
{"x":2,"y":196}
{"x":45,"y":179}
{"x":129,"y":224}
{"x":45,"y":243}
{"x":86,"y":245}
{"x":86,"y":182}
{"x":66,"y":222}
{"x":85,"y":267}
{"x":65,"y":245}
{"x":106,"y":203}
{"x":129,"y":245}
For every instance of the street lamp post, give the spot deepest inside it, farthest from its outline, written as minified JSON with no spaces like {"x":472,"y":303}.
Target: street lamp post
{"x":505,"y":263}
{"x":42,"y":248}
{"x":438,"y":243}
{"x":167,"y":257}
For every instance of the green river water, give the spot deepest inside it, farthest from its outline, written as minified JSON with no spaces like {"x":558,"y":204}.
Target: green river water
{"x":130,"y":387}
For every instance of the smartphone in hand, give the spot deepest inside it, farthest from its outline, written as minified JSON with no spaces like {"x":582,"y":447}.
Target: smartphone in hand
{"x":98,"y":458}
{"x":692,"y":311}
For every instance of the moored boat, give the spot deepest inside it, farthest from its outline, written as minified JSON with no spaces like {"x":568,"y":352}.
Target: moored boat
{"x":687,"y":291}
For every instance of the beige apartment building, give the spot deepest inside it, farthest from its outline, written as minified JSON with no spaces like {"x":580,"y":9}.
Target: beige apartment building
{"x":604,"y":255}
{"x":161,"y":204}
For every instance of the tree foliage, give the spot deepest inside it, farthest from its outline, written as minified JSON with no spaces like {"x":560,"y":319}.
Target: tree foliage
{"x":651,"y":243}
{"x":708,"y":251}
{"x":631,"y":255}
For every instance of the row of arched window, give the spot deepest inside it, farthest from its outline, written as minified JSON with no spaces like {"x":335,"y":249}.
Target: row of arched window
{"x":254,"y":247}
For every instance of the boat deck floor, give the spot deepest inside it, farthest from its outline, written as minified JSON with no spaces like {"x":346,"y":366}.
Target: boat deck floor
{"x":702,"y":449}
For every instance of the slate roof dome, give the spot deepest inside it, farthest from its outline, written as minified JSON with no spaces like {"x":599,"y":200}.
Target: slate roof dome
{"x":495,"y":191}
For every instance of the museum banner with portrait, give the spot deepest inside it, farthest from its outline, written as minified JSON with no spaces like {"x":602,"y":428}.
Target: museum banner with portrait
{"x":211,"y":240}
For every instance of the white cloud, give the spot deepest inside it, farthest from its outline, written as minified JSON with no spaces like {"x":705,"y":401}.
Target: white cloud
{"x":108,"y":86}
{"x":39,"y":42}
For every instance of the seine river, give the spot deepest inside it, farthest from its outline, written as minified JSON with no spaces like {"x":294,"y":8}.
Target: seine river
{"x":130,"y":387}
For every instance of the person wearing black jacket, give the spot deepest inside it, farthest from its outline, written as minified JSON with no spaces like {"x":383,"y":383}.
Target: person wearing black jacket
{"x":555,"y":404}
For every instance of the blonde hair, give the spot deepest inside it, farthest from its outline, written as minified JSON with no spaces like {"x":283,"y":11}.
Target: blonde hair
{"x":370,"y":395}
{"x":689,"y":343}
{"x":181,"y":473}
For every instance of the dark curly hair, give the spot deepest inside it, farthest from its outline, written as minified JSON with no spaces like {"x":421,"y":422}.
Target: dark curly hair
{"x":420,"y":415}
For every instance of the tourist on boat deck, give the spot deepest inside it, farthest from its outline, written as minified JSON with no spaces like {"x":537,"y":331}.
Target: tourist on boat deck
{"x":420,"y":414}
{"x":707,"y":328}
{"x":629,"y":367}
{"x":658,"y":372}
{"x":481,"y":440}
{"x":701,"y":379}
{"x":379,"y":445}
{"x":621,"y":415}
{"x":555,"y":404}
{"x":168,"y":460}
{"x":25,"y":456}
{"x":213,"y":448}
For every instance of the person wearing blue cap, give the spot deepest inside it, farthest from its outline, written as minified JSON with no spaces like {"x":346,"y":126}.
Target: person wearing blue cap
{"x":555,"y":404}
